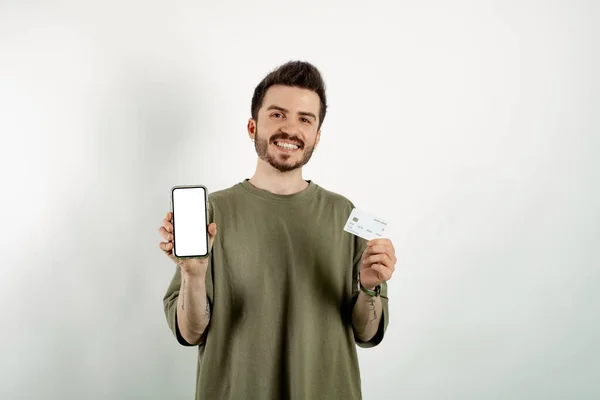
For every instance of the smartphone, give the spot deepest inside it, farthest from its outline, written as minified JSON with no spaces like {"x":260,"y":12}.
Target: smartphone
{"x":189,"y":205}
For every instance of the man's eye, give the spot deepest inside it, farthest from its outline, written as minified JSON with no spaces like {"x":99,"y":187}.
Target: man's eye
{"x":276,"y":115}
{"x":305,"y":120}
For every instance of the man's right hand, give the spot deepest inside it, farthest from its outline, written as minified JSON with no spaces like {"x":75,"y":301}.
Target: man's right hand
{"x":191,"y":266}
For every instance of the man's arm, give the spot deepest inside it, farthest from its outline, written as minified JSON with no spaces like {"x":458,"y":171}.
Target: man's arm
{"x":187,"y":300}
{"x":187,"y":305}
{"x":373,"y":265}
{"x":366,"y":316}
{"x":193,"y":308}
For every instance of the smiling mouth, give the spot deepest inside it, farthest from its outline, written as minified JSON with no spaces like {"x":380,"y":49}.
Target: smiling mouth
{"x":286,"y":146}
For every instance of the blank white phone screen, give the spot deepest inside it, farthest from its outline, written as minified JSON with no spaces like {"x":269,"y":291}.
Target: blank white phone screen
{"x":189,"y":222}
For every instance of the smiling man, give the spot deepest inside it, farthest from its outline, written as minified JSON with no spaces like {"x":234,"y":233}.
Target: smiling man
{"x":286,"y":295}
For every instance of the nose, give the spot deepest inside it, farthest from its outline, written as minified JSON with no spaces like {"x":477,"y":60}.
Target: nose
{"x":291,"y":127}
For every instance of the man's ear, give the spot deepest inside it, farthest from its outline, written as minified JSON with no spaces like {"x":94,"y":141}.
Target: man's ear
{"x":317,"y":139}
{"x":251,"y":128}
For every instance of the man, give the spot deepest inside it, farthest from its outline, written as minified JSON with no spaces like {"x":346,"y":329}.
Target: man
{"x":278,"y":306}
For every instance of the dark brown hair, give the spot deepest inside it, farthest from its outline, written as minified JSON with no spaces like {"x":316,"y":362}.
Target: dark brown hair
{"x":293,"y":73}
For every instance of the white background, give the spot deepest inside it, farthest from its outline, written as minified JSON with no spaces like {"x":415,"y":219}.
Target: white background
{"x":471,"y":126}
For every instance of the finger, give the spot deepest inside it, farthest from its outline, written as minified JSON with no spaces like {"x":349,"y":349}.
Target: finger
{"x":369,"y":251}
{"x":382,"y":248}
{"x":168,"y":225}
{"x":212,"y":229}
{"x":378,"y":269}
{"x":212,"y":232}
{"x":377,"y":242}
{"x":378,"y":258}
{"x":169,"y":216}
{"x":389,"y":262}
{"x":165,"y":246}
{"x":168,"y":236}
{"x":383,"y":273}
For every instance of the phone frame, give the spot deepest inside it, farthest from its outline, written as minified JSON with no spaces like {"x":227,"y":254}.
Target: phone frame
{"x":176,"y":187}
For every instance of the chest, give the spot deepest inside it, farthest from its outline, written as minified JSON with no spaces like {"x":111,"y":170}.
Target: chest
{"x":273,"y":253}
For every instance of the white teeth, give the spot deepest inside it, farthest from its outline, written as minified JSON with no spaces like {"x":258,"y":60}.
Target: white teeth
{"x":287,"y":146}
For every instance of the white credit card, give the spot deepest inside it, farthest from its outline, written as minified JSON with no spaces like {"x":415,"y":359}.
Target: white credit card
{"x":365,"y":225}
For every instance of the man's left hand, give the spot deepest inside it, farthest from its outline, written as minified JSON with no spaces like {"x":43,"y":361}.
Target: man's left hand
{"x":378,"y":263}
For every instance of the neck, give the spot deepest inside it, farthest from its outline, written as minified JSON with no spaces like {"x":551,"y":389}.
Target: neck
{"x":268,"y":178}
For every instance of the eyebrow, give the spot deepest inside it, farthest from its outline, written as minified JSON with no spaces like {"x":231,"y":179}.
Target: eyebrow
{"x":305,"y":113}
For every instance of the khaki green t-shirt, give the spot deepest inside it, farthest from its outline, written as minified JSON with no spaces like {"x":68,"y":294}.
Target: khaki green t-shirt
{"x":281,"y":283}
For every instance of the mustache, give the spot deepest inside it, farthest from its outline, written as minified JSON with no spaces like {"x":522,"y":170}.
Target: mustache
{"x":285,"y":136}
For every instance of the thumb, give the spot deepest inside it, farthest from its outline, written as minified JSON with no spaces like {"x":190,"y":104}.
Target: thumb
{"x":212,"y":232}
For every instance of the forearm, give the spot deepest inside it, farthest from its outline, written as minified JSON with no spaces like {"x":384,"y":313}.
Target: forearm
{"x":193,"y":309}
{"x":366,"y":316}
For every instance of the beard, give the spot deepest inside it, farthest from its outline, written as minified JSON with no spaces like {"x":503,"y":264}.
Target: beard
{"x":279,"y":161}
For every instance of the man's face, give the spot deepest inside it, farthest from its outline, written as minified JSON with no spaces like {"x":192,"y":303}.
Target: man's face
{"x":286,"y":132}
